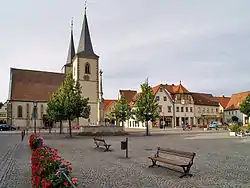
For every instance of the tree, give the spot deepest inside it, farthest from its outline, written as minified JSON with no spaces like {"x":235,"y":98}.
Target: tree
{"x":122,"y":110}
{"x":235,"y":119}
{"x":245,"y":106}
{"x":55,"y":109}
{"x":146,"y":107}
{"x":68,"y":103}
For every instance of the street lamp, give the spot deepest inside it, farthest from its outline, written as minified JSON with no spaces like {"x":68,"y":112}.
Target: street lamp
{"x":174,"y":112}
{"x":35,"y":114}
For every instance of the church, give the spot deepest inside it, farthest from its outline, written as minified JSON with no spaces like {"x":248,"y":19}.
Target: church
{"x":30,"y":88}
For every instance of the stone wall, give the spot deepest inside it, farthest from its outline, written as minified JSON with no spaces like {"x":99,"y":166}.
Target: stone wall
{"x":95,"y":129}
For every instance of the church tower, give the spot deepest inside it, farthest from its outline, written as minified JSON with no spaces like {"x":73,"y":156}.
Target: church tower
{"x":86,"y":71}
{"x":71,"y":52}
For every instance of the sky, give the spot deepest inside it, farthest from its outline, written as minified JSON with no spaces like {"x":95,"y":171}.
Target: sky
{"x":205,"y":44}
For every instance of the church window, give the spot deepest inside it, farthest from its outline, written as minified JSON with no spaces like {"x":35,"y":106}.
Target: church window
{"x":20,"y":111}
{"x":87,"y":68}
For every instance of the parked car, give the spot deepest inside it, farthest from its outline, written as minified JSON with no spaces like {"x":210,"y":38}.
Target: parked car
{"x":4,"y":127}
{"x":213,"y":125}
{"x":76,"y":127}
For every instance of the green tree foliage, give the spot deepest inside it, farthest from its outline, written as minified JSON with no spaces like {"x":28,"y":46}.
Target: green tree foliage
{"x":235,"y":119}
{"x":55,"y":109}
{"x":146,"y":107}
{"x":245,"y":106}
{"x":122,"y":110}
{"x":67,"y":103}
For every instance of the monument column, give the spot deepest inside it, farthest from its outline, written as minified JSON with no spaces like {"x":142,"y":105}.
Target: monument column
{"x":101,"y":121}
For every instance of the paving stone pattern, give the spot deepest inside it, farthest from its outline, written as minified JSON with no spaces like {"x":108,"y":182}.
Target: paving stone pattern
{"x":220,"y":161}
{"x":14,"y":162}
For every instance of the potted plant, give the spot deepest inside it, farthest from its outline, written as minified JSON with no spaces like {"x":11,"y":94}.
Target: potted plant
{"x":234,"y":129}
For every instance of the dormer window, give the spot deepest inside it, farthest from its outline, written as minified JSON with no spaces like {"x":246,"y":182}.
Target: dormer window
{"x":87,"y":68}
{"x":160,"y":89}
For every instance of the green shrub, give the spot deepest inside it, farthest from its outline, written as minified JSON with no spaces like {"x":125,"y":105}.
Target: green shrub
{"x":235,"y":128}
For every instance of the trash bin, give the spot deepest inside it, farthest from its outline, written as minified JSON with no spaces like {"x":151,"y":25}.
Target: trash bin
{"x":124,"y":145}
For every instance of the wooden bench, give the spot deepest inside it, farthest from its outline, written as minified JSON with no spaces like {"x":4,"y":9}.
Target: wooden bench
{"x":184,"y":159}
{"x":101,"y":142}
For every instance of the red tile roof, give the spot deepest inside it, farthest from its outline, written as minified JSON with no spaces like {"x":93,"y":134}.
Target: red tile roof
{"x":108,"y":102}
{"x":204,"y":99}
{"x":236,"y":100}
{"x":128,"y":94}
{"x":172,"y":89}
{"x":31,"y":85}
{"x":222,"y":100}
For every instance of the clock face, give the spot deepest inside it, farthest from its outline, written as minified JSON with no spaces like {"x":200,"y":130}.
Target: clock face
{"x":86,"y":77}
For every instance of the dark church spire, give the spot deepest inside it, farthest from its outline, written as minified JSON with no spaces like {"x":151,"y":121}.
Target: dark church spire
{"x":71,"y":51}
{"x":85,"y":44}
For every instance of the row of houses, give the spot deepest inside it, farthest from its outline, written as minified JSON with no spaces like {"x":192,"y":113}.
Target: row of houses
{"x":178,"y":106}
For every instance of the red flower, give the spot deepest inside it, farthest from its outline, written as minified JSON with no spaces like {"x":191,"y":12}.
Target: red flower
{"x":74,"y":180}
{"x":66,"y":183}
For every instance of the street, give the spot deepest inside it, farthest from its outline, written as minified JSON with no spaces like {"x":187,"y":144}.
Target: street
{"x":14,"y":161}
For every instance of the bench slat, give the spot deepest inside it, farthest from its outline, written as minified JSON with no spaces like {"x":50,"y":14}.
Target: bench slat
{"x":178,"y":153}
{"x":169,"y":161}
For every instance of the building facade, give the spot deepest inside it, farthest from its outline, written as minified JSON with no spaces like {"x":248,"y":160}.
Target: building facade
{"x":3,"y":113}
{"x":233,"y":108}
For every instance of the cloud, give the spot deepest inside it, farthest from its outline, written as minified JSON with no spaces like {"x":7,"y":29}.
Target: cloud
{"x":203,"y":43}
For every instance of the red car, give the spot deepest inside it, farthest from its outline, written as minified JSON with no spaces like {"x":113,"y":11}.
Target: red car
{"x":76,"y":127}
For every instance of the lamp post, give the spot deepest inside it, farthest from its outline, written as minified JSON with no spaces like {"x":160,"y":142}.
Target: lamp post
{"x":174,"y":113}
{"x":35,"y":114}
{"x":148,"y":116}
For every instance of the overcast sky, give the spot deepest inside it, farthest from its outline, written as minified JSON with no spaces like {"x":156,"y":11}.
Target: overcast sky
{"x":206,"y":44}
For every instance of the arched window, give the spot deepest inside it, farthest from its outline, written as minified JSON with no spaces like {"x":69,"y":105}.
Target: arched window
{"x":19,"y":111}
{"x":87,"y":68}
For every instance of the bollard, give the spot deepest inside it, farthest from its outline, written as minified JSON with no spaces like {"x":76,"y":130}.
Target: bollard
{"x":124,"y":146}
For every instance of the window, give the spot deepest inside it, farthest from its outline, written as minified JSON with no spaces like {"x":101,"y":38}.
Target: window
{"x":199,"y":121}
{"x":160,"y":89}
{"x":204,"y":109}
{"x":199,"y":109}
{"x":212,"y":110}
{"x":235,"y":112}
{"x":177,"y":109}
{"x":157,"y":98}
{"x":191,"y":109}
{"x":160,"y":108}
{"x":165,"y":98}
{"x":186,"y":109}
{"x":169,"y":108}
{"x":28,"y":108}
{"x":207,"y":110}
{"x":87,"y":68}
{"x":20,"y":111}
{"x":182,"y":109}
{"x":229,"y":112}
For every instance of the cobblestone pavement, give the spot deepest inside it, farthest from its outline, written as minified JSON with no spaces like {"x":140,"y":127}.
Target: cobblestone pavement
{"x":220,"y":161}
{"x":14,"y":162}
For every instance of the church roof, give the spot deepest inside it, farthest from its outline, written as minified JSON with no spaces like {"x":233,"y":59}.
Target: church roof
{"x":31,"y":85}
{"x":71,"y":50}
{"x":85,"y":48}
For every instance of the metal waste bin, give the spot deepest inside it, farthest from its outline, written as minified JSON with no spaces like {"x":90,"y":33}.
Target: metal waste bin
{"x":124,"y":145}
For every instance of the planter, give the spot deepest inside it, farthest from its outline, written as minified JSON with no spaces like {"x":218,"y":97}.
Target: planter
{"x":232,"y":134}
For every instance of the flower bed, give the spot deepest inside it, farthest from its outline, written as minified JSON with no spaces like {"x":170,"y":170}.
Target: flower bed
{"x":45,"y":163}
